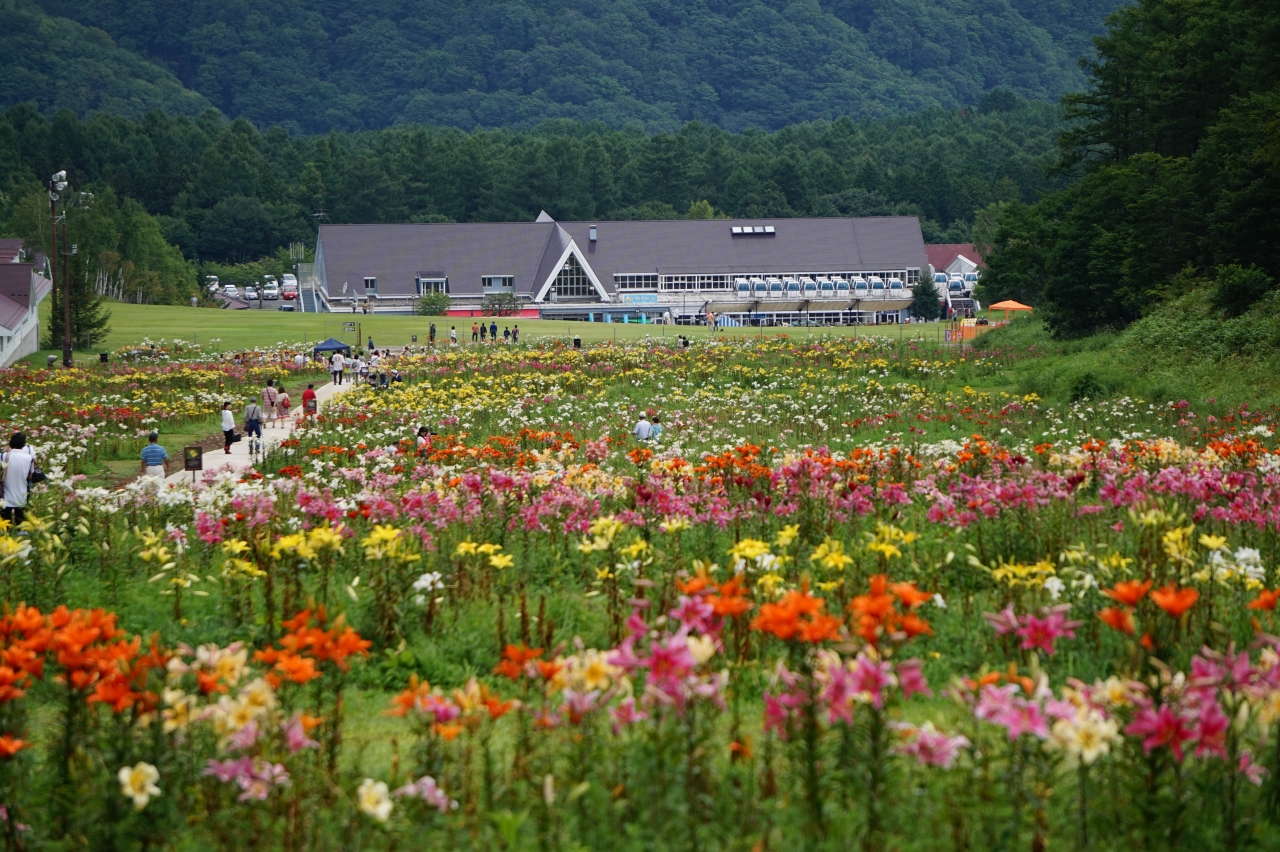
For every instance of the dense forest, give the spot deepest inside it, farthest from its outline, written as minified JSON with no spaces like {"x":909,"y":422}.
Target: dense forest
{"x":1178,"y":140}
{"x":312,"y":66}
{"x":226,"y":192}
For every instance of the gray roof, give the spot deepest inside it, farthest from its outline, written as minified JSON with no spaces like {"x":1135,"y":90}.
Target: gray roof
{"x":397,"y":254}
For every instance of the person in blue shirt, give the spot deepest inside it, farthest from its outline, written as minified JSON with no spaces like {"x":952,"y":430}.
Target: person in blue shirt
{"x":493,"y":332}
{"x":155,"y":458}
{"x":655,"y":428}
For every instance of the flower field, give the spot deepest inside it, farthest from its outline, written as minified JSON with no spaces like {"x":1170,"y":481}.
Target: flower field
{"x":858,"y":594}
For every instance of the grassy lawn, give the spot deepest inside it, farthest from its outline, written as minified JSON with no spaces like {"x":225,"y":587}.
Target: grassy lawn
{"x":236,"y":330}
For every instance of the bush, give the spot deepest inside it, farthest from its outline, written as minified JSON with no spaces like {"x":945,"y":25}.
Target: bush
{"x":1237,"y":288}
{"x":433,"y":305}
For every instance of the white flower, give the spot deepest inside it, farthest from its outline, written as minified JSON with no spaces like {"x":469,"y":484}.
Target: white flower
{"x":138,"y":782}
{"x":428,"y":582}
{"x":1054,"y":587}
{"x":374,"y":798}
{"x":702,"y":648}
{"x":939,"y":602}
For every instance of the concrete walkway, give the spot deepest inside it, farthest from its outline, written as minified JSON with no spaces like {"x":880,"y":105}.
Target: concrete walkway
{"x":239,"y":458}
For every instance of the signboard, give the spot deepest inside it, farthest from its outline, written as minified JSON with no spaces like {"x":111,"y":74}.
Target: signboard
{"x":311,"y":405}
{"x":193,"y":457}
{"x":348,"y":326}
{"x":639,"y":298}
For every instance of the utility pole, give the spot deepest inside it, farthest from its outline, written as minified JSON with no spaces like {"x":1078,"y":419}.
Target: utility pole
{"x":57,"y":185}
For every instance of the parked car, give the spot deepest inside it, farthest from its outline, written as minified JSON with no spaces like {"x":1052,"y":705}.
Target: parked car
{"x":212,"y":282}
{"x":250,"y":293}
{"x":288,"y":286}
{"x":231,"y":290}
{"x":271,"y":290}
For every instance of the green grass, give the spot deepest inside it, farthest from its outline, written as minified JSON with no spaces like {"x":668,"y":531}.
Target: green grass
{"x":238,"y":330}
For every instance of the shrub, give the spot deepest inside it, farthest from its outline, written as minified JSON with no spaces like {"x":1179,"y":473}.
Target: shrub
{"x":500,"y":305}
{"x":433,"y":305}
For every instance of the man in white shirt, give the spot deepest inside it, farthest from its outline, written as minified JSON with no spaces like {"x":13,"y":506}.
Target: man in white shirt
{"x":643,"y":429}
{"x":299,"y":361}
{"x":336,"y":366}
{"x":18,"y":463}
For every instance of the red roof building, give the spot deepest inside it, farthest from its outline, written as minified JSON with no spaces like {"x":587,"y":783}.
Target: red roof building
{"x":953,"y":257}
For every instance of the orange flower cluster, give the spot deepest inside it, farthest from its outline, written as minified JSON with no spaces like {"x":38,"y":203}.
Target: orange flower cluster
{"x":309,"y":643}
{"x":797,"y":616}
{"x":94,"y":658}
{"x":741,"y":460}
{"x":1127,"y":594}
{"x":1175,"y":601}
{"x":514,"y":658}
{"x":878,"y":613}
{"x":727,"y":600}
{"x":640,"y":455}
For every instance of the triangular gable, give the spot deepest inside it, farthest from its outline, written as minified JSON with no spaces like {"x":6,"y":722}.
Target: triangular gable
{"x":544,"y":218}
{"x":547,"y":272}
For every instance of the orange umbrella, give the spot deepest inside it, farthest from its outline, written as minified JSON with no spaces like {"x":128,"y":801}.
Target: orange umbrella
{"x":1009,"y":305}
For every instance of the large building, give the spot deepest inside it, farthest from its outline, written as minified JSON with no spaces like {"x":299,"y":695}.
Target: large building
{"x":826,"y":270}
{"x":22,"y":288}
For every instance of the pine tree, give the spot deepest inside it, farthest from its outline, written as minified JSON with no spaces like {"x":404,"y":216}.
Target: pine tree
{"x":927,"y":304}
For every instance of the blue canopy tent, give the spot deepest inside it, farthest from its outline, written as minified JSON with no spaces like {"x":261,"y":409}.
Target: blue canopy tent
{"x":332,"y":345}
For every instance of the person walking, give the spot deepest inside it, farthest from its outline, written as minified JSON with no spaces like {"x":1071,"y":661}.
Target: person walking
{"x":253,"y":423}
{"x":336,"y":365}
{"x":18,"y":463}
{"x":484,"y":332}
{"x":270,"y":398}
{"x":453,"y":335}
{"x":228,"y":428}
{"x":643,"y":428}
{"x":284,"y":405}
{"x":370,"y":346}
{"x":431,"y":335}
{"x":655,"y":428}
{"x":515,"y":333}
{"x":155,"y":458}
{"x":475,"y":332}
{"x":493,"y":332}
{"x":309,"y":401}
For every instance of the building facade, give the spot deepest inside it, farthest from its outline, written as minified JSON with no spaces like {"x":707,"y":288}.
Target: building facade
{"x":22,"y":288}
{"x":830,"y":270}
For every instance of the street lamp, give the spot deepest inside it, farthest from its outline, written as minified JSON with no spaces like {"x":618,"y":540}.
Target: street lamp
{"x":58,"y":185}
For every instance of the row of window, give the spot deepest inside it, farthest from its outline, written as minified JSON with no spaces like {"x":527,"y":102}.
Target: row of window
{"x":649,"y":281}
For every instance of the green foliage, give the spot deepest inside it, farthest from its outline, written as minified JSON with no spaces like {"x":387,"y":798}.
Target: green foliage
{"x":316,"y":66}
{"x":500,"y":305}
{"x":432,"y":305}
{"x":224,"y":192}
{"x":1236,"y":288}
{"x":926,"y":302}
{"x":62,"y":64}
{"x":1178,"y":132}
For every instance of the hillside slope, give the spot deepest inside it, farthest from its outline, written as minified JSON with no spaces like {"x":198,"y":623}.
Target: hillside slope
{"x":61,"y":64}
{"x":320,"y":65}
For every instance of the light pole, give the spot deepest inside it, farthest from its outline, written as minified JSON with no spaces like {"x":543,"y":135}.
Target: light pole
{"x":58,"y":185}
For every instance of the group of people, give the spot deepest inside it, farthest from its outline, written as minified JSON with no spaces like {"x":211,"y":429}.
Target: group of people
{"x":489,"y":334}
{"x":646,"y":429}
{"x":274,"y":409}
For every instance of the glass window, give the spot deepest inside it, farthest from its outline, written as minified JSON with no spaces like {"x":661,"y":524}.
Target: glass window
{"x":572,"y":281}
{"x":498,"y":283}
{"x":371,"y":285}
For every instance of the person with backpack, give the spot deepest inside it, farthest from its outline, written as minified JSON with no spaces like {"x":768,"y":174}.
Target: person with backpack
{"x":19,"y":465}
{"x":253,"y":423}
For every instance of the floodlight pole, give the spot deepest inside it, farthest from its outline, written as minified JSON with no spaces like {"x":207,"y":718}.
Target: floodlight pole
{"x":57,"y":184}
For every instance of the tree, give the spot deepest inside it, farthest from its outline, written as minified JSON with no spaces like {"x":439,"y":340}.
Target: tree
{"x":700,"y":210}
{"x":237,"y":229}
{"x":501,"y":305}
{"x":432,"y":305}
{"x":926,"y":302}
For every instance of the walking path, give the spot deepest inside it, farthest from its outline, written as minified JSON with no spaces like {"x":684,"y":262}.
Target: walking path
{"x":239,"y":458}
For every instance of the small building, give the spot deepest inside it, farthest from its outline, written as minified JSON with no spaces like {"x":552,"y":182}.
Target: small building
{"x":739,"y":270}
{"x":954,"y":258}
{"x":22,"y":288}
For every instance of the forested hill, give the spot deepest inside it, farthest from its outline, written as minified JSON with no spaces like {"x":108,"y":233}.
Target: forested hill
{"x":320,"y":65}
{"x":60,"y":64}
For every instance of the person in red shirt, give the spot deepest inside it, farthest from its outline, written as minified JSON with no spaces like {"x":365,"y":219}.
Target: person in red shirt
{"x":309,"y":401}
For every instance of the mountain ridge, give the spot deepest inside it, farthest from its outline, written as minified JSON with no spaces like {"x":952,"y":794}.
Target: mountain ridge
{"x":313,"y":66}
